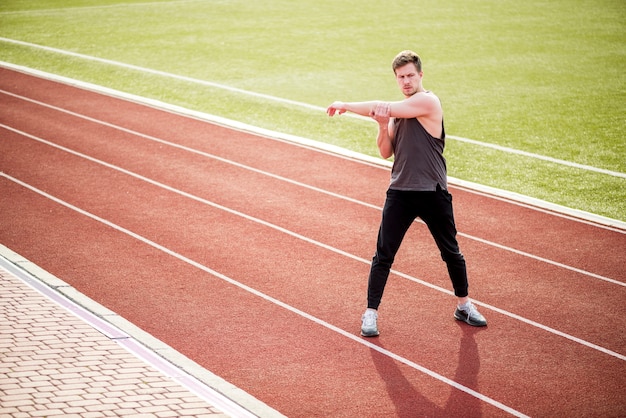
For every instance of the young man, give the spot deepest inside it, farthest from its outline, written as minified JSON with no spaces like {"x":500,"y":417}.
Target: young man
{"x":412,"y":131}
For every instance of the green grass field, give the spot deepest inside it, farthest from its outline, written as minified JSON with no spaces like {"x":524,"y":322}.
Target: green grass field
{"x":544,"y":77}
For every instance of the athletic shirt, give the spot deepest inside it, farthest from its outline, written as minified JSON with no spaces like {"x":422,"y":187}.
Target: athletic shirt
{"x":419,"y":164}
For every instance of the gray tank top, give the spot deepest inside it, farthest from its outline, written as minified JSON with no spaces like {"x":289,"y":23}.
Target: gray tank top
{"x":418,"y":164}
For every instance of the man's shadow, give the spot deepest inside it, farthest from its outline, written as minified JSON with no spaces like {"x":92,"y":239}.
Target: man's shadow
{"x":410,"y":403}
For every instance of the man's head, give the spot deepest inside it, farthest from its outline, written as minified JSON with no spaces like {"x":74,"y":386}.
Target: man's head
{"x":407,"y":57}
{"x":407,"y":67}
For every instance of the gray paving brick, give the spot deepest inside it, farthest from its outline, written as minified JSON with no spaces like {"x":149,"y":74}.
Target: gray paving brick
{"x":53,"y":364}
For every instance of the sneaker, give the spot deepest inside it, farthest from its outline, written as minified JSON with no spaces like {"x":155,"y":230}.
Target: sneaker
{"x":468,"y":313}
{"x":368,"y":327}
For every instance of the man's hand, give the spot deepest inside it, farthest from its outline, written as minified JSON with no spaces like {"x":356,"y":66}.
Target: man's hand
{"x":336,"y":107}
{"x":381,"y":112}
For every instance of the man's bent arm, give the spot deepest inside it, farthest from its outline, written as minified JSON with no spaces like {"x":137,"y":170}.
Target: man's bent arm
{"x":384,"y":140}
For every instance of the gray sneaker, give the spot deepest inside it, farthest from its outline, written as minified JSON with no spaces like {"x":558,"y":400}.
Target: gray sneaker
{"x":368,"y":326}
{"x":468,"y":313}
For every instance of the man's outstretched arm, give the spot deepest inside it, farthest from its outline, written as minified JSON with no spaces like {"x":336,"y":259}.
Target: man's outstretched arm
{"x":360,"y":108}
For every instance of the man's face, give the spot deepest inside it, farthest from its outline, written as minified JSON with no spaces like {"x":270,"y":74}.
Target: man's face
{"x":408,"y":79}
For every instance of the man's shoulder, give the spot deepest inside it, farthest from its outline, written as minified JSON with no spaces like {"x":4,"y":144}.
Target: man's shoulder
{"x":426,"y":96}
{"x":431,"y":96}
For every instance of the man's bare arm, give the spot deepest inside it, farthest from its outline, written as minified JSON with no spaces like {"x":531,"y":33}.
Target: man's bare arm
{"x":384,"y":140}
{"x":420,"y":104}
{"x":360,"y":108}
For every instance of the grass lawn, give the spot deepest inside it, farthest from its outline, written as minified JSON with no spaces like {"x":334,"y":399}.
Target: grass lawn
{"x":541,"y":77}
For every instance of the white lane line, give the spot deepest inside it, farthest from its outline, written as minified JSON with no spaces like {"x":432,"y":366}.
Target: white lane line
{"x":270,"y":299}
{"x":310,"y":241}
{"x":164,"y":74}
{"x":300,"y":184}
{"x":302,"y":104}
{"x":542,"y":259}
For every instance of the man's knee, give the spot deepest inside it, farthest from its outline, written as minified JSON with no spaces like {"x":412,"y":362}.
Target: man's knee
{"x":383,"y":261}
{"x":453,"y":257}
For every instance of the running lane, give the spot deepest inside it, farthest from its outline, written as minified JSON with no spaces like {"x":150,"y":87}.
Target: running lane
{"x":250,"y":256}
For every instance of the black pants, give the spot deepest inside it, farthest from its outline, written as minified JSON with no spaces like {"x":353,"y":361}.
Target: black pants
{"x":400,"y":210}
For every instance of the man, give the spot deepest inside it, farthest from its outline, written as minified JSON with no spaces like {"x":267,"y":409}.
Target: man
{"x":412,"y":131}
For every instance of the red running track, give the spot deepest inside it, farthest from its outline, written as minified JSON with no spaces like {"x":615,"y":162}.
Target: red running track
{"x":250,"y":255}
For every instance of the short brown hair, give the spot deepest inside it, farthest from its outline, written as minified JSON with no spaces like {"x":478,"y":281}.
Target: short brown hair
{"x":407,"y":57}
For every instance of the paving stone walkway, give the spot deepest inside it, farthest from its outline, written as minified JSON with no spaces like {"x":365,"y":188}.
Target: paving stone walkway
{"x":54,"y":363}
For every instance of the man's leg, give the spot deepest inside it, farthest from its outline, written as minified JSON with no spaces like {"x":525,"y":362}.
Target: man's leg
{"x":439,"y":218}
{"x":396,"y":220}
